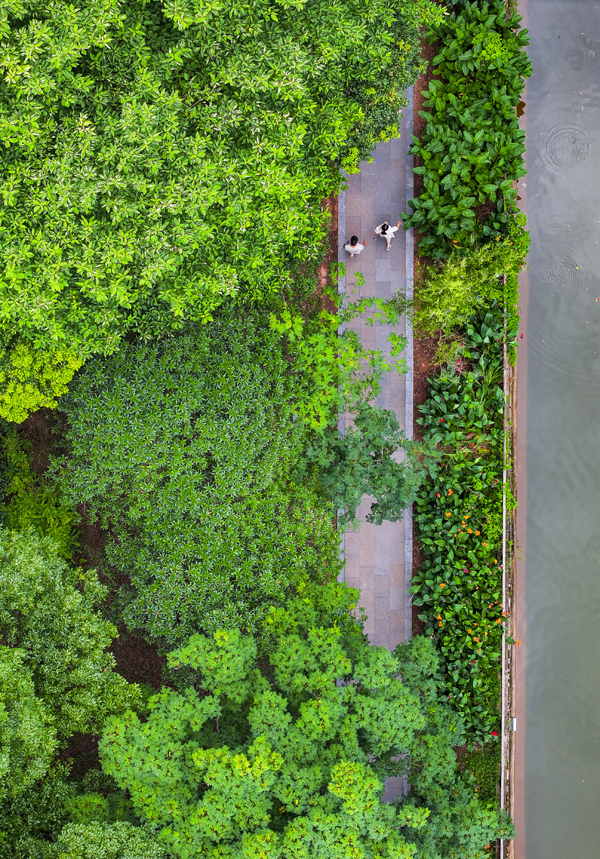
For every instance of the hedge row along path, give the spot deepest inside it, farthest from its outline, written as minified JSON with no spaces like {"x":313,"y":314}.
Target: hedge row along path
{"x":379,"y":558}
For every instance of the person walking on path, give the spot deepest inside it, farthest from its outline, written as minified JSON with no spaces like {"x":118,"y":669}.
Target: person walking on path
{"x":386,"y":232}
{"x":354,"y":247}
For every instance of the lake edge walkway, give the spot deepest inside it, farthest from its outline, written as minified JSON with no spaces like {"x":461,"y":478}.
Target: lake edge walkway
{"x":378,"y":559}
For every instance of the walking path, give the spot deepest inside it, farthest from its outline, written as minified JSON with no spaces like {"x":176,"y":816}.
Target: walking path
{"x":379,"y":558}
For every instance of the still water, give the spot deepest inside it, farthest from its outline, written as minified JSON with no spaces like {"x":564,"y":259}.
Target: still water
{"x":558,"y":799}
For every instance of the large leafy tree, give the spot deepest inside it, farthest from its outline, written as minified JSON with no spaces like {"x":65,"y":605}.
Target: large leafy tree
{"x":289,"y":760}
{"x":184,"y":451}
{"x":160,"y":155}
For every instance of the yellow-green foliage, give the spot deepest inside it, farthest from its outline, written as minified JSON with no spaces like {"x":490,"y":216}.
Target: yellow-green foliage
{"x":30,"y":380}
{"x":33,"y":500}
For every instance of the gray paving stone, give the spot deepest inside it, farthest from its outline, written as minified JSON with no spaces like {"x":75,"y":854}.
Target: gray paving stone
{"x":376,"y":556}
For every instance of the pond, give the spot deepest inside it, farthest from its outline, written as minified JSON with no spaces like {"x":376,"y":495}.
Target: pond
{"x":558,"y":696}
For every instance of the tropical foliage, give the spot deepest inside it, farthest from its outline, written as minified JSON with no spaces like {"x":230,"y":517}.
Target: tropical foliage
{"x":459,"y":518}
{"x":472,"y":147}
{"x":290,"y":760}
{"x":447,"y":295}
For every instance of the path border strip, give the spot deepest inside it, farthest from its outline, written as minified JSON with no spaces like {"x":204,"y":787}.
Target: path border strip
{"x":341,"y":288}
{"x":408,"y":407}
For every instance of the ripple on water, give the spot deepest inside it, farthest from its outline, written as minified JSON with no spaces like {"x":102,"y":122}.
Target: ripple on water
{"x":561,"y":275}
{"x":565,"y":146}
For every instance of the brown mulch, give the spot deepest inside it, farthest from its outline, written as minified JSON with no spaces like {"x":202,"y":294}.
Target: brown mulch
{"x":38,"y":430}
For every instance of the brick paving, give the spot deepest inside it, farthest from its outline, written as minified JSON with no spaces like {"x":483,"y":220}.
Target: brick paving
{"x":379,"y":558}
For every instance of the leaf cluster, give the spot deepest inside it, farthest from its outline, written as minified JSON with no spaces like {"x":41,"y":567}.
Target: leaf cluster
{"x":472,"y":147}
{"x":34,"y":500}
{"x":58,"y":679}
{"x":365,"y":461}
{"x":448,"y":295}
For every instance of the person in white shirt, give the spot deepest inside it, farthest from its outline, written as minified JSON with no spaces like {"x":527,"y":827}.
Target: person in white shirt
{"x":354,"y":247}
{"x":386,"y":232}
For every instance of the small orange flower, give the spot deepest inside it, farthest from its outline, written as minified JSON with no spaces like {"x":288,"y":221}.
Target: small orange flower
{"x":518,"y":642}
{"x":477,"y":533}
{"x":449,"y":492}
{"x":499,"y":620}
{"x":442,"y":585}
{"x":469,"y":531}
{"x":484,"y":543}
{"x":438,"y":617}
{"x":438,"y":495}
{"x":467,"y":516}
{"x":495,"y":561}
{"x":447,"y":512}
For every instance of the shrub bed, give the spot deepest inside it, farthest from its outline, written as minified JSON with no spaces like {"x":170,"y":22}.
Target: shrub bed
{"x":472,"y":147}
{"x":459,"y":518}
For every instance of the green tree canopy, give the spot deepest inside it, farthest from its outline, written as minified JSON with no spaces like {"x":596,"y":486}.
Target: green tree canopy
{"x":289,"y":761}
{"x":184,"y":451}
{"x":106,"y":841}
{"x":49,"y":620}
{"x":159,"y":156}
{"x":27,"y":737}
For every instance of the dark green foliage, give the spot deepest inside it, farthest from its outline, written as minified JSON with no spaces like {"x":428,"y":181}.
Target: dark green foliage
{"x":34,"y":818}
{"x":472,"y":147}
{"x":293,"y":765}
{"x":184,"y":452}
{"x":161,"y":156}
{"x":483,"y":763}
{"x":459,"y":518}
{"x":361,"y":463}
{"x":48,"y":613}
{"x":106,"y":841}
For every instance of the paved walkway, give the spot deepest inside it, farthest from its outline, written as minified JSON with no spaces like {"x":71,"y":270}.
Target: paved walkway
{"x":379,"y":558}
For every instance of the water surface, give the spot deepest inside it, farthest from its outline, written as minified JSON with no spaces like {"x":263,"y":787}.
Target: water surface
{"x":561,"y":793}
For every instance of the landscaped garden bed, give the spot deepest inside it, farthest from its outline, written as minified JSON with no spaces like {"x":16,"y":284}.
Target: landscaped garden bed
{"x":465,"y":215}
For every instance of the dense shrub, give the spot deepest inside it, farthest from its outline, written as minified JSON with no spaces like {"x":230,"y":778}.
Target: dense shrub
{"x":447,"y":295}
{"x":48,"y":615}
{"x":472,"y":146}
{"x":294,"y":764}
{"x":459,"y":516}
{"x":159,"y":156}
{"x":106,"y":841}
{"x":31,"y":821}
{"x":184,"y":452}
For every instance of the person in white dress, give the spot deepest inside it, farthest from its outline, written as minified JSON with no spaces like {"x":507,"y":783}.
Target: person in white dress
{"x":354,"y":247}
{"x":386,"y":231}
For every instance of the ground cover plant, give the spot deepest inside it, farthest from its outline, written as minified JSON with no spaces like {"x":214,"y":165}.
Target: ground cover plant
{"x":159,"y":158}
{"x":289,"y":759}
{"x":33,"y":500}
{"x":472,"y":147}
